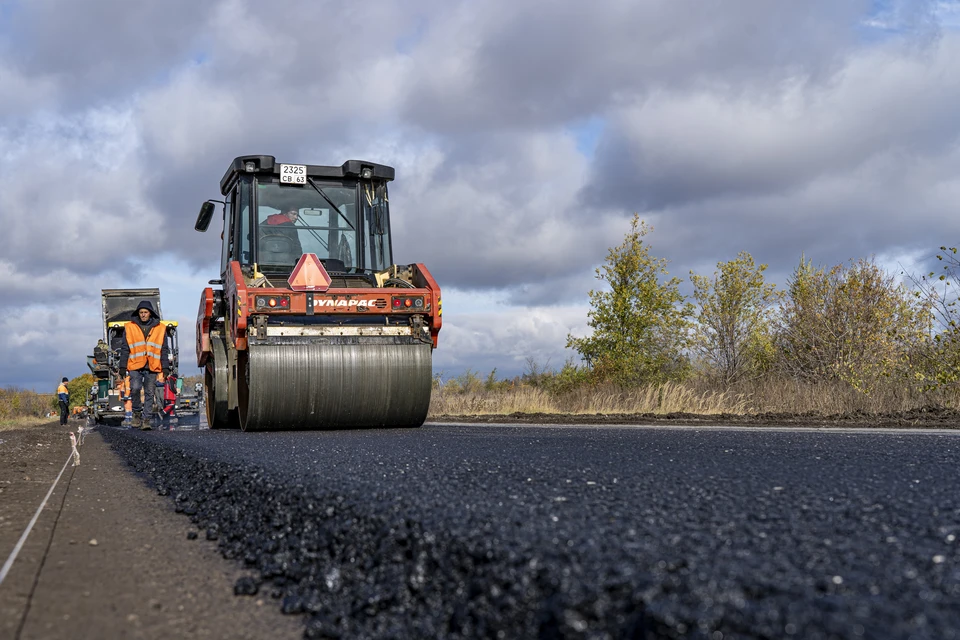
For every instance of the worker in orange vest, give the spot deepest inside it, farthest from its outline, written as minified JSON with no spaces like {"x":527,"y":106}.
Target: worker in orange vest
{"x":144,"y":356}
{"x":63,"y":399}
{"x":123,"y":386}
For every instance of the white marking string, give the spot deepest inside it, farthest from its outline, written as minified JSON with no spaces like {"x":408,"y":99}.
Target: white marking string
{"x":73,"y":445}
{"x":16,"y":550}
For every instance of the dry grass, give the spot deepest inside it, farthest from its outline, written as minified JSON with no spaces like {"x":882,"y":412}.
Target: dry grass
{"x":668,"y":398}
{"x":771,"y":395}
{"x":22,"y":423}
{"x":524,"y":399}
{"x":19,"y":408}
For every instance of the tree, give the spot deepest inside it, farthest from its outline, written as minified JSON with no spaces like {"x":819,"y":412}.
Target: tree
{"x":79,"y":388}
{"x":939,"y":358}
{"x":190,"y":382}
{"x":853,"y":323}
{"x":733,"y":334}
{"x":640,"y":325}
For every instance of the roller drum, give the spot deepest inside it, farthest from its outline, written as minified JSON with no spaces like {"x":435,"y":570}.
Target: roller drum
{"x":354,"y":384}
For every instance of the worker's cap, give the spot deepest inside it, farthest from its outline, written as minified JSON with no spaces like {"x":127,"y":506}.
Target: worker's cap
{"x":145,"y":304}
{"x":64,"y":380}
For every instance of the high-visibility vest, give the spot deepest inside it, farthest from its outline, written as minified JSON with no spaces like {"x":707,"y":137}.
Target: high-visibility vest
{"x":144,"y":351}
{"x":62,"y":389}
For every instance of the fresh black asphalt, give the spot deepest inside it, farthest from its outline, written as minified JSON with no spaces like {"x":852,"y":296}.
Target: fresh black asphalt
{"x":561,"y":532}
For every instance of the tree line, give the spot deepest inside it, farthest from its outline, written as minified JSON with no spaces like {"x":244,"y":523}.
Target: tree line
{"x":853,"y":323}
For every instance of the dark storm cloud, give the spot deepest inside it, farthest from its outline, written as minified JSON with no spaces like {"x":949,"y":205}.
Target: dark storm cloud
{"x":40,"y":346}
{"x":678,"y":148}
{"x":99,"y":50}
{"x":510,"y":65}
{"x":564,"y":287}
{"x":502,"y":216}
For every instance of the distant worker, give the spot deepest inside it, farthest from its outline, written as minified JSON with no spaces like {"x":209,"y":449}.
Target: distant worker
{"x":100,"y":353}
{"x":285,"y":225}
{"x":169,"y":400}
{"x":63,"y":399}
{"x":143,"y":355}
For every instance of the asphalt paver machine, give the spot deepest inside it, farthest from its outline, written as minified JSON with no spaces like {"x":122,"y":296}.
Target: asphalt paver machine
{"x":109,"y":400}
{"x":311,"y":325}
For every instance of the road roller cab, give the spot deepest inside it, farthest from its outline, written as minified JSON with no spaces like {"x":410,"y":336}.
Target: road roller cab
{"x":311,"y":324}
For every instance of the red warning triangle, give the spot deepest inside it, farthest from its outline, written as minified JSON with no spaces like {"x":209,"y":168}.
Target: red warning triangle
{"x":309,"y":274}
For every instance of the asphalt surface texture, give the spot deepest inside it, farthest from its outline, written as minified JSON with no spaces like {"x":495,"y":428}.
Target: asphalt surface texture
{"x":466,"y":531}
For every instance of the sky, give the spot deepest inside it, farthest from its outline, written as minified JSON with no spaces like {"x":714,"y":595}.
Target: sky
{"x":525,"y":135}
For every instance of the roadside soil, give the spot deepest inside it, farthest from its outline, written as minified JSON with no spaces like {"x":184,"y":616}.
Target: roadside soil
{"x":108,"y":557}
{"x":921,"y":418}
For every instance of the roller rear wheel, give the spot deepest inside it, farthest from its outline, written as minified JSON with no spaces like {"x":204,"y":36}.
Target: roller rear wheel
{"x":216,"y":389}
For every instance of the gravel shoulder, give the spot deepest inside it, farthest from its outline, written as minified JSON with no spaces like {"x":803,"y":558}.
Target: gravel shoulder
{"x":108,"y":557}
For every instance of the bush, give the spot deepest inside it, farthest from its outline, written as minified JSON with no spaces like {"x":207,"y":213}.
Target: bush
{"x":22,"y":403}
{"x":853,"y":323}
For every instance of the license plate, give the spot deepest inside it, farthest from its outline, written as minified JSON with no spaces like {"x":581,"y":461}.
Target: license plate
{"x":293,"y":174}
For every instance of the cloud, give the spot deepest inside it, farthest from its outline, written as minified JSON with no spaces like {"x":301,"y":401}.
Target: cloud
{"x":507,"y":65}
{"x":72,"y":197}
{"x":864,"y":163}
{"x":275,"y":83}
{"x":506,"y":339}
{"x":43,"y":344}
{"x":97,"y":51}
{"x":500,"y":212}
{"x":19,"y":288}
{"x":677,"y":148}
{"x":20,"y":92}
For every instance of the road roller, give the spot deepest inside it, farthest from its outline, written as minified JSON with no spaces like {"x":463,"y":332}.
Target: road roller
{"x":311,"y":324}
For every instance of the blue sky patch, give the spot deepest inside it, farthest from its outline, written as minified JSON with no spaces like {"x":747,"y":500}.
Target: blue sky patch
{"x":587,"y":133}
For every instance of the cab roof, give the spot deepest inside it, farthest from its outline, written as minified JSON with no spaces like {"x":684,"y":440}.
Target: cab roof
{"x":268,"y":165}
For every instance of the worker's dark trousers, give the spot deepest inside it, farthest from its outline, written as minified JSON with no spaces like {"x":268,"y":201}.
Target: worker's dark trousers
{"x":64,"y":411}
{"x":146,"y":380}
